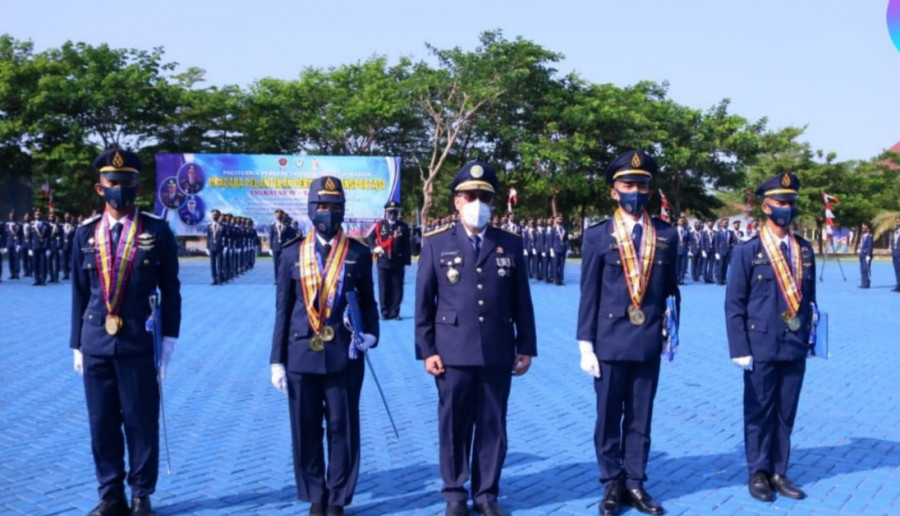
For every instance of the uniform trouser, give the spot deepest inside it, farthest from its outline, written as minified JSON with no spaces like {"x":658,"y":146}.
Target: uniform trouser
{"x":66,"y":262}
{"x":39,"y":266}
{"x":897,"y":271}
{"x":472,"y":402}
{"x":53,"y":264}
{"x":542,"y":266}
{"x":710,"y":265}
{"x":390,"y":289}
{"x":333,"y":398}
{"x":721,"y":269}
{"x":681,"y":267}
{"x":865,"y":270}
{"x":13,"y":256}
{"x":530,"y":265}
{"x":27,"y":262}
{"x":276,"y":257}
{"x":215,"y":266}
{"x":559,"y":268}
{"x":696,"y":266}
{"x":771,"y":395}
{"x":625,"y":393}
{"x":122,"y":390}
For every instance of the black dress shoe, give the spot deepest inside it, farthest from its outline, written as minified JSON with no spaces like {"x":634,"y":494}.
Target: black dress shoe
{"x":140,"y":506}
{"x":785,"y":487}
{"x":759,"y":487}
{"x":335,"y":510}
{"x":642,"y":501}
{"x":316,"y":509}
{"x":489,"y":509}
{"x":456,"y":508}
{"x":111,"y":505}
{"x":612,"y":499}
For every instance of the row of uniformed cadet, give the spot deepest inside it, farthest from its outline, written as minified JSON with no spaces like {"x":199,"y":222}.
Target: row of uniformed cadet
{"x":42,"y":248}
{"x":546,"y":247}
{"x":231,"y":244}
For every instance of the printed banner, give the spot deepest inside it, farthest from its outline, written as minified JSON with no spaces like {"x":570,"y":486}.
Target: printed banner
{"x":190,"y":186}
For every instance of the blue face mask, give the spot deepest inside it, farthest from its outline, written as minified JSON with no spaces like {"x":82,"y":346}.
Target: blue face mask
{"x":120,"y":197}
{"x":782,"y":216}
{"x":633,"y":202}
{"x":327,"y":223}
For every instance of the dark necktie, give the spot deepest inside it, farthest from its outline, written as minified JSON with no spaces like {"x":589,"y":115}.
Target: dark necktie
{"x":636,"y":233}
{"x":114,"y":234}
{"x":476,"y":244}
{"x":786,"y":250}
{"x":326,"y":250}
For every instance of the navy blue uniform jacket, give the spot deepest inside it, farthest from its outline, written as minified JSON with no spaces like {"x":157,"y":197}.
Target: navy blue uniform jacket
{"x":155,"y":267}
{"x":603,"y":310}
{"x":484,"y":319}
{"x":290,"y":339}
{"x":753,"y":305}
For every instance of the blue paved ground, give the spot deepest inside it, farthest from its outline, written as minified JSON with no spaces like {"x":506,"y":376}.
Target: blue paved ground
{"x":229,"y":434}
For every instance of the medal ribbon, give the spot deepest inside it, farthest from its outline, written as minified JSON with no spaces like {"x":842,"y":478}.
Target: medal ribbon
{"x":787,"y":284}
{"x":383,"y":243}
{"x":638,"y":264}
{"x":311,"y":278}
{"x":115,"y":271}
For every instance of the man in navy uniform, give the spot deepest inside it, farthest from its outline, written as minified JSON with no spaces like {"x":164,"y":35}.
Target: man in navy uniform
{"x":39,"y":248}
{"x":55,"y":246}
{"x":121,"y":257}
{"x":559,"y":248}
{"x":866,"y":248}
{"x":768,"y":314}
{"x":310,"y":357}
{"x":696,"y":252}
{"x":474,"y":326}
{"x":279,"y":233}
{"x":895,"y":253}
{"x":27,"y":256}
{"x":215,"y":238}
{"x":529,"y":236}
{"x":14,"y":239}
{"x":628,"y":271}
{"x":723,"y":242}
{"x":390,"y":244}
{"x":709,"y":251}
{"x":68,"y":229}
{"x":684,"y":243}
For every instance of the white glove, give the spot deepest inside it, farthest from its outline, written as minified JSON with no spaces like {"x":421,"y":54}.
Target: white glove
{"x":543,"y":254}
{"x":368,"y":340}
{"x":271,"y":252}
{"x":589,"y":363}
{"x":703,"y":253}
{"x":552,"y":254}
{"x":208,"y":253}
{"x":533,"y":251}
{"x":30,"y":252}
{"x":745,"y":363}
{"x":168,"y":347}
{"x":378,"y":250}
{"x":869,"y":259}
{"x":718,"y":256}
{"x":3,"y":250}
{"x":525,"y":252}
{"x":279,"y":378}
{"x":78,"y":361}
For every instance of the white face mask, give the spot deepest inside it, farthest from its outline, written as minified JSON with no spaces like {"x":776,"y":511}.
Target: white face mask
{"x":476,"y":214}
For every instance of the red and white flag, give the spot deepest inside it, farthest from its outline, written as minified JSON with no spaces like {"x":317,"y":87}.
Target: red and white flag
{"x":45,"y":187}
{"x":512,"y":200}
{"x":664,"y":207}
{"x":830,"y":201}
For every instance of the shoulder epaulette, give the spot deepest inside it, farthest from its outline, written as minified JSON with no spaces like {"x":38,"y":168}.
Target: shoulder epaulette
{"x":292,"y":241}
{"x":151,"y":215}
{"x":90,"y":220}
{"x":436,"y":231}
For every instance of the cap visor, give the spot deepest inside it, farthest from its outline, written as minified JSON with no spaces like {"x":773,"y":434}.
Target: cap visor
{"x":120,"y":176}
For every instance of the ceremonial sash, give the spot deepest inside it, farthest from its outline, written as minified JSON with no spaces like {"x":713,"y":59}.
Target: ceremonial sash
{"x":787,"y":284}
{"x":326,"y":281}
{"x":638,"y":263}
{"x":115,"y":270}
{"x":385,"y":243}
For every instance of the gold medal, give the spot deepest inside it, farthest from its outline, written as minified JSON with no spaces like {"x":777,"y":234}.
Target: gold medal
{"x":452,"y":275}
{"x":316,"y":344}
{"x":793,"y":323}
{"x":327,"y":333}
{"x":113,"y":324}
{"x":636,"y":315}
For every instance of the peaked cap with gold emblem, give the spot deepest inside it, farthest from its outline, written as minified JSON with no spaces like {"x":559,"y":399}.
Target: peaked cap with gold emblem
{"x":118,"y":165}
{"x":326,"y":189}
{"x":632,"y":166}
{"x":475,"y":175}
{"x":783,"y":186}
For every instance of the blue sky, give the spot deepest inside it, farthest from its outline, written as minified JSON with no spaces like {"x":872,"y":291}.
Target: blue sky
{"x":827,"y":64}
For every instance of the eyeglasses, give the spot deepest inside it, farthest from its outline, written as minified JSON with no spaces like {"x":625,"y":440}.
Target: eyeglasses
{"x":473,"y":195}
